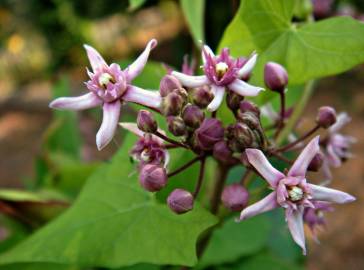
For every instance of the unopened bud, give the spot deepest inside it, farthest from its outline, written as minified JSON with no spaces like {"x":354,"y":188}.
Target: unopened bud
{"x":248,"y":106}
{"x":210,"y":132}
{"x":201,"y":96}
{"x":180,"y":201}
{"x":176,"y":125}
{"x":168,"y":84}
{"x":250,"y":119}
{"x":235,"y":197}
{"x":233,"y":100}
{"x":316,"y":162}
{"x":193,"y":116}
{"x":153,"y":177}
{"x":326,"y":117}
{"x":146,"y":122}
{"x":275,"y":77}
{"x":243,"y":135}
{"x":322,"y":8}
{"x":223,"y":153}
{"x":172,"y":104}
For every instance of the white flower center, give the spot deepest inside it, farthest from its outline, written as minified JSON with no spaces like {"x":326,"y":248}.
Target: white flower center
{"x":144,"y":156}
{"x":295,"y":194}
{"x":221,"y":68}
{"x":104,"y":79}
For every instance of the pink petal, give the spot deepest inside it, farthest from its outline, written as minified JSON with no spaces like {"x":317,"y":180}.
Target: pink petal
{"x":137,"y":66}
{"x":133,"y":128}
{"x":207,"y":50}
{"x":341,"y":120}
{"x":140,"y":96}
{"x":111,"y":113}
{"x":191,"y":81}
{"x":86,"y":101}
{"x":244,"y":89}
{"x":261,"y":164}
{"x":219,"y":92}
{"x":295,"y":225}
{"x":299,"y":167}
{"x":321,"y":193}
{"x":332,"y":157}
{"x":266,"y":204}
{"x":94,"y":57}
{"x":248,"y":66}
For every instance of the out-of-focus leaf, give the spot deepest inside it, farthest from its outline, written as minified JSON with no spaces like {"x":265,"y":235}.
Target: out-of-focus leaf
{"x":234,"y":240}
{"x":38,"y":266}
{"x":141,"y":266}
{"x":115,"y":223}
{"x":194,"y":14}
{"x":135,"y":4}
{"x":11,"y":232}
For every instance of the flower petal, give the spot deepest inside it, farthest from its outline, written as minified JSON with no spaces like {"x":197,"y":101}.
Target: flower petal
{"x":341,"y":120}
{"x":299,"y":167}
{"x":191,"y":81}
{"x":257,"y":159}
{"x":295,"y":225}
{"x":206,"y":49}
{"x":266,"y":204}
{"x":94,"y":57}
{"x":333,"y":159}
{"x":137,"y":66}
{"x":111,"y":113}
{"x":248,"y":66}
{"x":219,"y":92}
{"x":244,"y":89}
{"x":86,"y":101}
{"x":144,"y":97}
{"x":133,"y":128}
{"x":321,"y":193}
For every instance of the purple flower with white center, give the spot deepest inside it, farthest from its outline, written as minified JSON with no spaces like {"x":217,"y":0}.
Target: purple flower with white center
{"x":110,"y":86}
{"x":314,"y":217}
{"x":149,"y":149}
{"x":336,"y":146}
{"x":222,"y":72}
{"x":291,"y":191}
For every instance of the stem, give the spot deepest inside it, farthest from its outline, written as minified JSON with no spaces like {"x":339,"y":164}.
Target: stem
{"x":182,"y":168}
{"x":245,"y":176}
{"x":282,"y":113}
{"x":304,"y":137}
{"x":307,"y":92}
{"x":200,"y":177}
{"x":221,"y":174}
{"x":283,"y":158}
{"x":160,"y":135}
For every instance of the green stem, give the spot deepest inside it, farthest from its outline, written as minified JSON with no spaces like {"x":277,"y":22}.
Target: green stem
{"x":301,"y":104}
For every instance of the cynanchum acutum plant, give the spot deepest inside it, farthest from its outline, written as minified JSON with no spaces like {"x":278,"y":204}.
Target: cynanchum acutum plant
{"x":190,"y":107}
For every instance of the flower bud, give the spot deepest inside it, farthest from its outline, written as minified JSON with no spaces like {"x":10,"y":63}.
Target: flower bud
{"x":176,"y":125}
{"x":233,"y":100}
{"x":316,"y":162}
{"x":275,"y":76}
{"x":223,"y":153}
{"x":322,"y":8}
{"x":193,"y":116}
{"x":235,"y":197}
{"x":180,"y":201}
{"x":210,"y":132}
{"x":168,"y":84}
{"x":146,"y":122}
{"x":201,"y":96}
{"x":172,"y":104}
{"x":243,"y":135}
{"x":326,"y":116}
{"x":250,"y":119}
{"x":153,"y":177}
{"x":248,"y":106}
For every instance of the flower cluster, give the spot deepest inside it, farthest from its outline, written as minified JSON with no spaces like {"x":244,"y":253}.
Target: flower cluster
{"x":189,"y":105}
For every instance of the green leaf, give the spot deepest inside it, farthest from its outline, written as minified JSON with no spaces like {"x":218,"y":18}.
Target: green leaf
{"x":38,"y":266}
{"x":115,"y":223}
{"x":234,"y":240}
{"x":135,"y":4}
{"x":308,"y":51}
{"x":194,"y":14}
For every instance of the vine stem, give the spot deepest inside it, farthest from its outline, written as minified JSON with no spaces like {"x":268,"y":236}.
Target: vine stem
{"x":200,"y":177}
{"x":163,"y":137}
{"x":185,"y":166}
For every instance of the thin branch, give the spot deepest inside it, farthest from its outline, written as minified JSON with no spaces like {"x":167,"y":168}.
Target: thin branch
{"x":200,"y":177}
{"x":280,"y":125}
{"x":182,"y":168}
{"x":163,"y":137}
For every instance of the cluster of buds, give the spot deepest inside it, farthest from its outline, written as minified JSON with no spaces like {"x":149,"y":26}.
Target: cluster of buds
{"x":189,"y":106}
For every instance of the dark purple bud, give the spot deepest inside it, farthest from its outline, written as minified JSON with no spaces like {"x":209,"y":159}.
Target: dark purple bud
{"x":243,"y":135}
{"x":172,"y":104}
{"x":193,"y":116}
{"x":223,"y":153}
{"x":233,"y":100}
{"x":210,"y":132}
{"x":235,"y":197}
{"x":322,"y":8}
{"x":180,"y":201}
{"x":250,"y":119}
{"x":146,"y":122}
{"x":316,"y":162}
{"x":248,"y":106}
{"x":275,"y":77}
{"x":201,"y":96}
{"x":176,"y":125}
{"x":168,"y":84}
{"x":326,"y":116}
{"x":153,"y":177}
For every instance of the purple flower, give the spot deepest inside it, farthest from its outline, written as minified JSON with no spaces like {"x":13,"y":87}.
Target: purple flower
{"x":221,"y":72}
{"x":336,"y":146}
{"x":149,"y":149}
{"x":291,"y":191}
{"x":109,"y":86}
